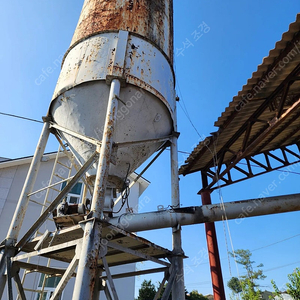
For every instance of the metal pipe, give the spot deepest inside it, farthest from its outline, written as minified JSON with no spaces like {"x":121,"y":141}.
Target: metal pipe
{"x":87,"y":268}
{"x":213,"y":253}
{"x":207,"y":213}
{"x":20,"y":211}
{"x":178,"y":289}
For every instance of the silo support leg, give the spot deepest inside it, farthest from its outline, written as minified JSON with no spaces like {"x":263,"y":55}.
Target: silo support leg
{"x":91,"y":244}
{"x":169,"y":286}
{"x":160,"y":288}
{"x":20,"y":211}
{"x":178,"y":291}
{"x":109,"y":278}
{"x":19,"y":286}
{"x":65,"y":278}
{"x":2,"y":272}
{"x":98,"y":284}
{"x":9,"y":278}
{"x":107,"y":293}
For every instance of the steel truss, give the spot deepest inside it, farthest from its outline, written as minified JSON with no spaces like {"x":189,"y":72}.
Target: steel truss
{"x":287,"y":112}
{"x":250,"y":166}
{"x":85,"y":247}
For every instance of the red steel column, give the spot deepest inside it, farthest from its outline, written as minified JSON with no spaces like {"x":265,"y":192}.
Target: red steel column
{"x":213,"y":252}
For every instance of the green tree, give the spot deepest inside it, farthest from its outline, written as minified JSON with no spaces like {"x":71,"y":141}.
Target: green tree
{"x":170,"y":296}
{"x":163,"y":290}
{"x":235,"y":285}
{"x":194,"y":295}
{"x":293,"y":287}
{"x":147,"y":291}
{"x":247,"y":283}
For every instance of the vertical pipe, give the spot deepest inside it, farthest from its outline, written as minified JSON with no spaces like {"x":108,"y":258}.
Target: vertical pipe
{"x":20,"y":211}
{"x":213,"y":252}
{"x":87,"y":269}
{"x":178,"y":291}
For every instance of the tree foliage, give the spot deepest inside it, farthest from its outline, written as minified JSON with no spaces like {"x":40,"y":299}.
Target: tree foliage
{"x":162,"y":291}
{"x":293,"y":287}
{"x":147,"y":291}
{"x":247,"y":285}
{"x":235,"y":285}
{"x":276,"y":292}
{"x":194,"y":295}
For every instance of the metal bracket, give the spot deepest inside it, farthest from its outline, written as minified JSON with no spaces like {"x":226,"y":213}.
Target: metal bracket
{"x":75,"y":134}
{"x":117,"y":68}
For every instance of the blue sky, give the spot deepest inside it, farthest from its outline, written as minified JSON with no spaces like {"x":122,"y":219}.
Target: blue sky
{"x":35,"y":35}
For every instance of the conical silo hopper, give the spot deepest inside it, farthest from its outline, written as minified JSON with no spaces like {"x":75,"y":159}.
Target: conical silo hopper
{"x":133,"y":42}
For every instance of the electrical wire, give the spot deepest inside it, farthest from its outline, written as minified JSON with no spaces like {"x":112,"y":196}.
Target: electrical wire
{"x":185,"y":111}
{"x":125,"y":192}
{"x":263,"y":247}
{"x":276,"y":242}
{"x":20,"y":117}
{"x":283,"y":266}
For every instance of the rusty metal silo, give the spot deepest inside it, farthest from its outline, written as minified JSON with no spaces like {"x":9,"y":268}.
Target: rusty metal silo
{"x":113,"y":107}
{"x":133,"y":42}
{"x":117,"y":87}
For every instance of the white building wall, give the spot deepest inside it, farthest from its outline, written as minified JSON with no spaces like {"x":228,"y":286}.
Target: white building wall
{"x":6,"y":180}
{"x":12,"y":179}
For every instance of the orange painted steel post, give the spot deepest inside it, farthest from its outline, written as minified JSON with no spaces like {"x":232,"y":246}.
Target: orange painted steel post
{"x":213,"y":252}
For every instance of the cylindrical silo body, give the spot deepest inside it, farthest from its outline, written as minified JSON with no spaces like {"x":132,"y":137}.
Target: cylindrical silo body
{"x":133,"y":42}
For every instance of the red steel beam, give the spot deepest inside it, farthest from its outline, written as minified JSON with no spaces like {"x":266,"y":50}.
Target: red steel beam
{"x":213,"y":252}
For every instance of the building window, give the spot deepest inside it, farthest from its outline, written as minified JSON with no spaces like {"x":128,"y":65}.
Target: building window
{"x":75,"y":194}
{"x":49,"y":287}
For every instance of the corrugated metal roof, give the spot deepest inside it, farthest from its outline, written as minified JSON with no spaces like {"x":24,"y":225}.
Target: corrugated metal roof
{"x":258,"y":104}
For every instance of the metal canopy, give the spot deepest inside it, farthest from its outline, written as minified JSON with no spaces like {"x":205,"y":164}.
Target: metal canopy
{"x":262,"y":118}
{"x":122,"y":247}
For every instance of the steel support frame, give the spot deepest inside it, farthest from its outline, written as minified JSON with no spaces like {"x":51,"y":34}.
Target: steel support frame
{"x":87,"y":268}
{"x":275,"y":123}
{"x":247,"y":126}
{"x":20,"y":211}
{"x":178,"y":290}
{"x":110,"y":279}
{"x":56,"y":201}
{"x":213,"y":253}
{"x":251,"y":167}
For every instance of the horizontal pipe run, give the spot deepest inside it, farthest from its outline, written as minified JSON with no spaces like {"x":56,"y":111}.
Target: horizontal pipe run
{"x":207,"y":213}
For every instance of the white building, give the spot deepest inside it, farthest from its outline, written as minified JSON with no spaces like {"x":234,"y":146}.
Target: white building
{"x":12,"y":176}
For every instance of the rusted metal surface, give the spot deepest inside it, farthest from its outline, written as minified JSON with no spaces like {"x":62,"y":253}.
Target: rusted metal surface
{"x":110,"y":233}
{"x":208,"y":213}
{"x":147,"y":105}
{"x":152,"y":19}
{"x":213,"y":253}
{"x":131,"y":41}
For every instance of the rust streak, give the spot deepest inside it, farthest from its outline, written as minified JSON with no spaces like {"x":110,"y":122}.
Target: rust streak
{"x":152,"y":19}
